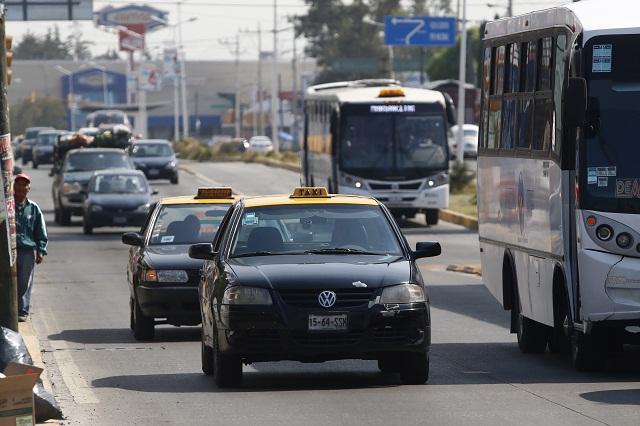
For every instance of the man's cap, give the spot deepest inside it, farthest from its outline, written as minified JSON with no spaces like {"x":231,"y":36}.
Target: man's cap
{"x":22,"y":176}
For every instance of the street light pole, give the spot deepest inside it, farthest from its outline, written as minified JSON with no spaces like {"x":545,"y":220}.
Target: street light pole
{"x":274,"y":82}
{"x":461,"y":83}
{"x":183,"y":77}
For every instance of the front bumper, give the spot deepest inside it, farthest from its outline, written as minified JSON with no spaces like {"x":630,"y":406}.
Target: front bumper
{"x":436,"y":197}
{"x":43,"y":158}
{"x":158,"y":172}
{"x":179,"y":305}
{"x":115,"y":218}
{"x":272,"y":334}
{"x":73,"y":201}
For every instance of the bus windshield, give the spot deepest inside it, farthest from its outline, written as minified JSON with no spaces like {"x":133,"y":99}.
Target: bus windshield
{"x":393,"y":146}
{"x":610,"y":176}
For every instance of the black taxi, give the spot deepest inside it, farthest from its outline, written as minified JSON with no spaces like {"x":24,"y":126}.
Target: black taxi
{"x":163,"y":279}
{"x":313,"y":277}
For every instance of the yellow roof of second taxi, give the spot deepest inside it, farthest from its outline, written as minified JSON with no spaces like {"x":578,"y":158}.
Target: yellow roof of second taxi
{"x":297,"y":198}
{"x":215,"y":196}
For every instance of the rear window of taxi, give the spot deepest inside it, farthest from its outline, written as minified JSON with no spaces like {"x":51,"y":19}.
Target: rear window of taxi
{"x":187,"y":223}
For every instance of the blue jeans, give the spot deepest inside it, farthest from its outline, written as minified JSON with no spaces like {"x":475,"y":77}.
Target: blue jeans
{"x":26,"y":262}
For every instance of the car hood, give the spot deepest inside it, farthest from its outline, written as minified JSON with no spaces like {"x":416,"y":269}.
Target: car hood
{"x":151,"y":161}
{"x":124,"y":201}
{"x":321,"y":271}
{"x":171,"y":257}
{"x":81,"y":177}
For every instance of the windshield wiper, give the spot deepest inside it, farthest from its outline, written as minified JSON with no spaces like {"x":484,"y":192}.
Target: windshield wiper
{"x":339,"y":250}
{"x":267,"y":253}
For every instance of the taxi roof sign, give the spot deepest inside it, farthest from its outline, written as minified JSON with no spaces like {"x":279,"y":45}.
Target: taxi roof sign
{"x":310,"y":192}
{"x":214,"y":193}
{"x":393,"y":92}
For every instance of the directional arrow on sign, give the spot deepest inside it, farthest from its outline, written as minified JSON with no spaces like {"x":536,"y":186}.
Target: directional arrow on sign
{"x":419,"y":25}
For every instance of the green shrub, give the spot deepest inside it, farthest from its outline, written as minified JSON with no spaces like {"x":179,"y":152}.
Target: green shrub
{"x":460,"y":177}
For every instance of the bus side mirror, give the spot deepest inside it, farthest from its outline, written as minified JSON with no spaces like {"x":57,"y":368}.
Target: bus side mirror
{"x":576,"y":102}
{"x":452,"y":118}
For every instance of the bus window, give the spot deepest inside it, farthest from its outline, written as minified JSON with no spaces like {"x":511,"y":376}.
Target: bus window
{"x":498,"y":72}
{"x":525,"y":122}
{"x":531,"y":69}
{"x":513,"y":81}
{"x":495,"y":115}
{"x":421,"y":142}
{"x":558,"y":85}
{"x":486,"y":86}
{"x":544,"y":71}
{"x":542,"y":125}
{"x":509,"y":124}
{"x":368,"y":143}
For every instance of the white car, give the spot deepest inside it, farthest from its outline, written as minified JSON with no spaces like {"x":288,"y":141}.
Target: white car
{"x":469,"y":138}
{"x":260,"y":144}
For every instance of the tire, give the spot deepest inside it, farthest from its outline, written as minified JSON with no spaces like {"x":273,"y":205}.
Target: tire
{"x":86,"y":227}
{"x":431,"y":217}
{"x":414,"y":369}
{"x":389,"y":363}
{"x":174,"y":179}
{"x":56,"y":215}
{"x":34,"y":164}
{"x":532,"y":336}
{"x":206,"y":354}
{"x":227,"y":369}
{"x":587,"y":352}
{"x":143,"y":326}
{"x":559,"y":342}
{"x":65,"y":216}
{"x":131,"y":319}
{"x":24,"y":161}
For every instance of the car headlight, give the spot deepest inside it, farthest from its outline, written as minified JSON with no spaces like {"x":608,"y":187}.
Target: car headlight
{"x":71,"y":187}
{"x":170,"y":165}
{"x":143,"y":208}
{"x":240,"y":295}
{"x":96,"y":208}
{"x":166,"y":276}
{"x":403,"y":293}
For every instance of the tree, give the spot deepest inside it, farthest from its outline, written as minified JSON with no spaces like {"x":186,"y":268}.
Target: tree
{"x":52,"y":46}
{"x":444,"y":61}
{"x":346,"y":39}
{"x":45,"y":111}
{"x":110,"y":54}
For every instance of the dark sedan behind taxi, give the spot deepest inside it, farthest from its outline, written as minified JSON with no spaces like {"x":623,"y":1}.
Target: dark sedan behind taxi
{"x":163,"y":279}
{"x":313,"y":277}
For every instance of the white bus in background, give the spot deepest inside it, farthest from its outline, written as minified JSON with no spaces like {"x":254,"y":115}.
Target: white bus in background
{"x":374,"y":137}
{"x":559,"y":176}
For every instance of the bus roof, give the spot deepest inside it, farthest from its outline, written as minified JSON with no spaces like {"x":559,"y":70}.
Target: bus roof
{"x":592,"y":17}
{"x":368,"y":91}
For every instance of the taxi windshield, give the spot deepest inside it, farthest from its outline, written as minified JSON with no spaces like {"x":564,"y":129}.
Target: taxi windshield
{"x":187,"y":223}
{"x":315,"y":229}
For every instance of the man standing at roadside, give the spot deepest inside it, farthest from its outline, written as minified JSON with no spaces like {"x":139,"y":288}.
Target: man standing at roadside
{"x":31,"y":238}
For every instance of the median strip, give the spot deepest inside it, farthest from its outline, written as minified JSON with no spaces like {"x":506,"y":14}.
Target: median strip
{"x":469,"y":269}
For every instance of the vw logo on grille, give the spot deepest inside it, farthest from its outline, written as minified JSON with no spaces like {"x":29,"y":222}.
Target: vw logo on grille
{"x":327,"y":299}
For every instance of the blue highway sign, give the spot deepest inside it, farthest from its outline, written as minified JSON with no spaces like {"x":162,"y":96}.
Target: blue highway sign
{"x":420,"y":30}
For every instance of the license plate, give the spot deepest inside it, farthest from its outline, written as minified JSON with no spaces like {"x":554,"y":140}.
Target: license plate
{"x":336,"y":322}
{"x":154,"y":172}
{"x":119,"y":220}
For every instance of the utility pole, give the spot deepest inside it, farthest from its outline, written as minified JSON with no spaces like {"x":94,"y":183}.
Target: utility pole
{"x":8,"y":281}
{"x":294,"y":96}
{"x":260,"y":89}
{"x":236,"y":106}
{"x":461,"y":83}
{"x":274,"y":81}
{"x":183,"y":78}
{"x":510,"y":8}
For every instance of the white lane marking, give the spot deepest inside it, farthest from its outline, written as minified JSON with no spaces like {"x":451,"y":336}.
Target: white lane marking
{"x":205,"y":179}
{"x":78,"y":387}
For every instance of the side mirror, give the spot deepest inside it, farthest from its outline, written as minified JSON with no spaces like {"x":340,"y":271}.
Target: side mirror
{"x":576,"y":102}
{"x":132,"y":239}
{"x":452,"y":117}
{"x":202,"y":251}
{"x":427,"y":249}
{"x":154,"y":192}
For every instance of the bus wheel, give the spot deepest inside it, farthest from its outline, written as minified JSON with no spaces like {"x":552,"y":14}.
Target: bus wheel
{"x":532,"y":336}
{"x":587,"y":353}
{"x":431,"y":216}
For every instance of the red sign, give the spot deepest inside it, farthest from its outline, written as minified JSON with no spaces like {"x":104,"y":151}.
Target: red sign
{"x":132,"y":38}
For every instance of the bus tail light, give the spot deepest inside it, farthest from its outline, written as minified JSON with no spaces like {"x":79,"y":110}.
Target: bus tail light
{"x":591,"y":221}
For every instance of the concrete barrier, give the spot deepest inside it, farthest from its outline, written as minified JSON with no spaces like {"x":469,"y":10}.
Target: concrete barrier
{"x":467,"y":221}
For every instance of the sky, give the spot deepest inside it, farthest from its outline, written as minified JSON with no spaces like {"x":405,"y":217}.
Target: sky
{"x":212,"y":35}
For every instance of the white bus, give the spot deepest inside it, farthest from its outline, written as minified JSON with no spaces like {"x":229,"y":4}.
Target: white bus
{"x":558,"y":179}
{"x":374,"y":137}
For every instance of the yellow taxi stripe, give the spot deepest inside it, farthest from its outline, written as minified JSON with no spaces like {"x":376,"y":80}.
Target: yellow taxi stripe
{"x":282,"y":200}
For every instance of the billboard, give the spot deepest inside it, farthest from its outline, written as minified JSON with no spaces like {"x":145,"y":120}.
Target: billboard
{"x":48,"y":10}
{"x":150,"y":78}
{"x":170,"y":63}
{"x":132,"y":15}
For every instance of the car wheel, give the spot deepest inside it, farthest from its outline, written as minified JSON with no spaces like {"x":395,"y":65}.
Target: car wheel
{"x":431,"y":217}
{"x":207,"y":357}
{"x":227,"y":369}
{"x":587,"y":352}
{"x":131,"y":319}
{"x":87,"y":228}
{"x":56,"y":215}
{"x":35,"y":164}
{"x":65,"y":216}
{"x":143,"y":326}
{"x":389,"y":363}
{"x":414,"y":369}
{"x":174,"y":179}
{"x":532,"y":335}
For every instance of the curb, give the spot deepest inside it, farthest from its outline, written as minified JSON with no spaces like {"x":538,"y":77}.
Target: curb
{"x":473,"y":270}
{"x":33,"y":346}
{"x":467,"y":221}
{"x":279,"y":164}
